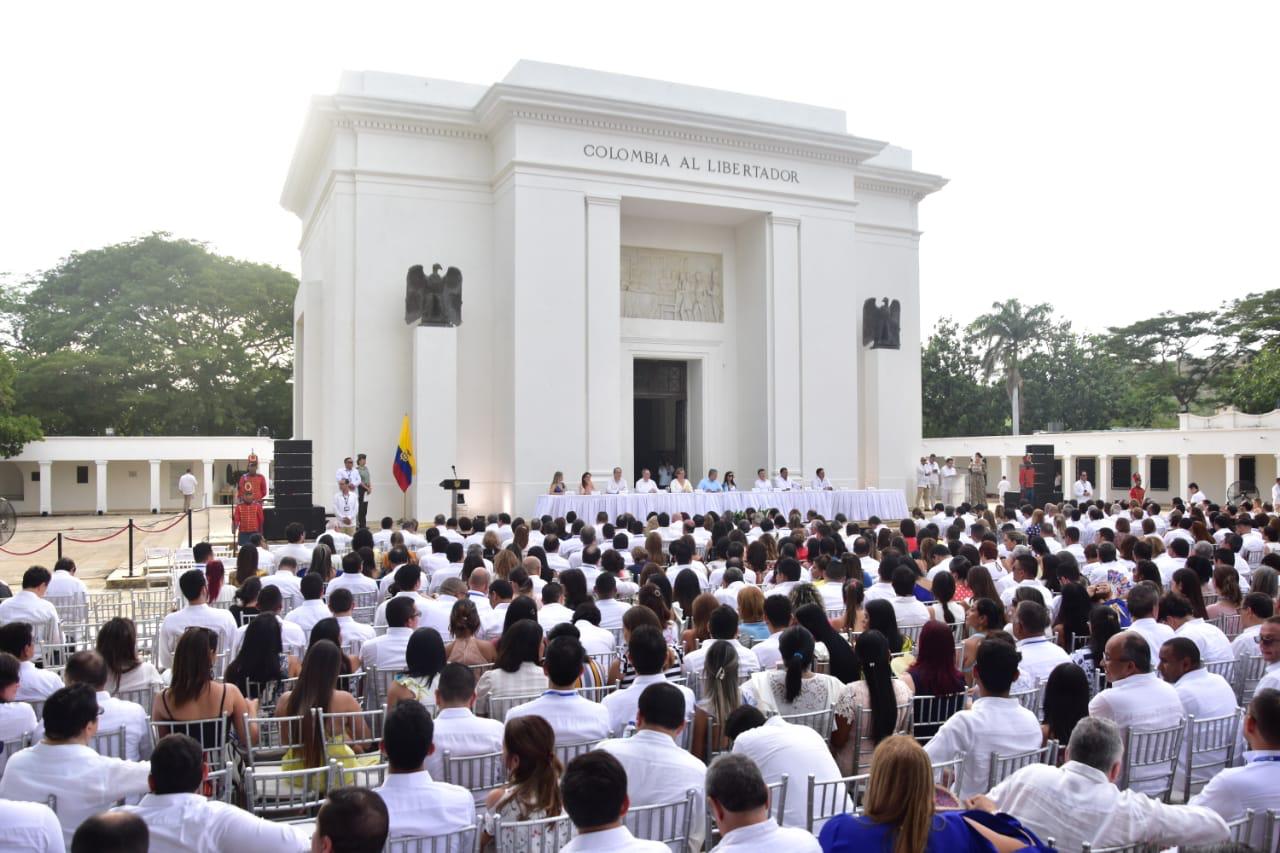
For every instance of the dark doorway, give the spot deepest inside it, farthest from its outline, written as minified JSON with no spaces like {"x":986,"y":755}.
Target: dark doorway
{"x":660,"y":415}
{"x":1248,"y":471}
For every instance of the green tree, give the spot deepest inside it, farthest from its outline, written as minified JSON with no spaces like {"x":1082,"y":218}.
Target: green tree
{"x":154,"y":336}
{"x":15,"y":430}
{"x":1008,"y":332}
{"x":954,"y":399}
{"x":1175,"y":355}
{"x":1256,"y":387}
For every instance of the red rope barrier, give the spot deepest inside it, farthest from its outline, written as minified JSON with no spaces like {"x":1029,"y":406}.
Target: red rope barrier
{"x":29,"y":553}
{"x":101,"y":539}
{"x":155,"y":528}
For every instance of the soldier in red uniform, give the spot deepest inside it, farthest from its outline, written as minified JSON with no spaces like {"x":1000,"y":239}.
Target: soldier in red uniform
{"x":247,"y":514}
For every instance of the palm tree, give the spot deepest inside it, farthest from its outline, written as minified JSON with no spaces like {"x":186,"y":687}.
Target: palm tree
{"x":1008,"y":331}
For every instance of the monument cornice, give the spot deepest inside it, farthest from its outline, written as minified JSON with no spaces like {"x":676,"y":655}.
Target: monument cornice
{"x":904,"y":182}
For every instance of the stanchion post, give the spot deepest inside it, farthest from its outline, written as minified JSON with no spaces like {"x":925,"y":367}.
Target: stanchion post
{"x":131,"y":547}
{"x":191,"y":542}
{"x":59,"y":544}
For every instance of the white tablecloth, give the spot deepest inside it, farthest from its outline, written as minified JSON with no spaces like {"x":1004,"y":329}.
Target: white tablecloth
{"x":856,"y":504}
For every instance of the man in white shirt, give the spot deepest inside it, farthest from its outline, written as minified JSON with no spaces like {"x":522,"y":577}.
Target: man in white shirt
{"x":645,"y":485}
{"x":1175,"y":611}
{"x":909,"y":609}
{"x":777,"y":617}
{"x":1197,"y":497}
{"x":1256,"y":785}
{"x":995,"y":724}
{"x":762,"y":483}
{"x":313,"y":608}
{"x":724,"y":629}
{"x":31,"y":827}
{"x":1257,"y":608}
{"x":1079,"y":802}
{"x":950,"y":477}
{"x":1269,"y":647}
{"x":611,"y":610}
{"x":820,"y":481}
{"x":34,"y":684}
{"x":197,"y":613}
{"x":1025,"y":568}
{"x":739,"y":802}
{"x":291,"y":636}
{"x":647,"y":652}
{"x":187,"y":488}
{"x":458,"y":731}
{"x":1040,"y":655}
{"x":345,"y":507}
{"x":180,"y":819}
{"x":88,"y":668}
{"x":658,"y":769}
{"x":287,"y":581}
{"x":408,"y":580}
{"x":1143,"y":602}
{"x":924,"y":472}
{"x":774,"y":748}
{"x":574,"y":718}
{"x":62,"y":765}
{"x":30,"y":606}
{"x":1137,"y":699}
{"x":387,"y":652}
{"x":553,"y":612}
{"x":293,"y":534}
{"x":595,"y":788}
{"x":616,"y":485}
{"x":1204,"y":695}
{"x":341,"y":605}
{"x":382,"y":536}
{"x":1083,"y":489}
{"x":417,"y":804}
{"x":352,"y":577}
{"x":348,"y":474}
{"x":64,"y":584}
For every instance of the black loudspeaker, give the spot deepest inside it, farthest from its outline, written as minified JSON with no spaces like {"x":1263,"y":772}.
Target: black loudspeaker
{"x":293,"y":501}
{"x":291,"y":460}
{"x":291,"y":472}
{"x":278,"y":517}
{"x":1042,"y":460}
{"x":291,"y":445}
{"x":291,"y":488}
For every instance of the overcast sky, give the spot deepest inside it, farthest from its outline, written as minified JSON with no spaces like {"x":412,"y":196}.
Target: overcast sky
{"x":1109,"y":158}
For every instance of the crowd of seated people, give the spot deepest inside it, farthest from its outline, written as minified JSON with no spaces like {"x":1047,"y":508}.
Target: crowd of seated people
{"x":590,"y":669}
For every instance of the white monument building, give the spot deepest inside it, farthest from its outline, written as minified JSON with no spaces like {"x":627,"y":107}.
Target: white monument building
{"x":651,"y":271}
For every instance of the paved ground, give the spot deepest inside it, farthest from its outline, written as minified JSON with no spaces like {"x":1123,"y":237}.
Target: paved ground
{"x":95,"y":560}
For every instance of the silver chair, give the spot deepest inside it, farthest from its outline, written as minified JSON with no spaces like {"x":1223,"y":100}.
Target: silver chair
{"x":1249,"y":672}
{"x":902,"y":727}
{"x":947,"y":773}
{"x":1004,"y":765}
{"x":360,"y":730}
{"x":453,"y":842}
{"x":205,"y":732}
{"x":276,"y":793}
{"x":1225,"y":668}
{"x":670,"y":823}
{"x":603,"y":661}
{"x":1031,"y":699}
{"x":566,"y":752}
{"x":375,"y":684}
{"x":362,"y":776}
{"x":479,"y":774}
{"x":1139,"y":847}
{"x":110,"y":744}
{"x":1152,"y":749}
{"x":912,"y":633}
{"x":277,"y":737}
{"x":825,"y":800}
{"x":1238,"y":829}
{"x":71,"y":608}
{"x":1213,"y":741}
{"x":9,"y":747}
{"x":144,"y":696}
{"x":1231,"y":625}
{"x":500,"y":705}
{"x":928,"y":713}
{"x":547,"y":835}
{"x":820,"y":721}
{"x":597,"y":693}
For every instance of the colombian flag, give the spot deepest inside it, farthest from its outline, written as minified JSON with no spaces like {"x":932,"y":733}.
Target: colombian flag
{"x":402,"y":469}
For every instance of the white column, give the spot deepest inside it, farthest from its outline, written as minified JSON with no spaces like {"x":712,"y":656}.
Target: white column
{"x":46,"y":488}
{"x":435,"y":432}
{"x":102,"y":485}
{"x":208,"y":482}
{"x":1229,"y":468}
{"x":783,"y":334}
{"x":603,"y":331}
{"x":1184,"y":473}
{"x":1068,"y":476}
{"x":1005,"y":470}
{"x":1101,"y":487}
{"x":1142,"y":471}
{"x":155,"y":485}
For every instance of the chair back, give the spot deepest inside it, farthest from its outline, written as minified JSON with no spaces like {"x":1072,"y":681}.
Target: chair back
{"x":902,"y":726}
{"x":912,"y":633}
{"x":276,"y":793}
{"x":71,"y":608}
{"x":825,"y":800}
{"x":500,"y":705}
{"x":211,"y":734}
{"x":778,"y":798}
{"x":947,"y":773}
{"x":277,"y":737}
{"x":602,"y":660}
{"x":547,"y":835}
{"x":1031,"y":698}
{"x":566,"y":752}
{"x":458,"y":841}
{"x":376,"y":682}
{"x":1005,"y":764}
{"x":597,"y":693}
{"x":928,"y":713}
{"x":670,"y":823}
{"x":1231,"y":625}
{"x":9,"y":747}
{"x":820,"y":721}
{"x":362,"y":775}
{"x":1155,"y":750}
{"x":479,"y":774}
{"x":1209,"y":745}
{"x":109,"y":744}
{"x":365,"y":599}
{"x":1225,"y":668}
{"x":144,"y":696}
{"x":1248,"y":674}
{"x":360,"y":730}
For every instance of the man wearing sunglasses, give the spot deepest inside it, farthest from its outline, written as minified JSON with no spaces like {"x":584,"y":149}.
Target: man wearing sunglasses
{"x":1269,"y":646}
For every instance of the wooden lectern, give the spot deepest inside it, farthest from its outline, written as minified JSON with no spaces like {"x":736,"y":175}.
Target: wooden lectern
{"x":453,"y":486}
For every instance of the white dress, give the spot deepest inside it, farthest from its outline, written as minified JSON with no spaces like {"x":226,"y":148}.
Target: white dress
{"x":855,"y":695}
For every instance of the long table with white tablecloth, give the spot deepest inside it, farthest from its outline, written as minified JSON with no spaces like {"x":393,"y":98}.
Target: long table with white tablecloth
{"x":855,"y":504}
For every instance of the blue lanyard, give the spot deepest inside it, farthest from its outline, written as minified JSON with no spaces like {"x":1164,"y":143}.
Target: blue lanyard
{"x":1259,"y":758}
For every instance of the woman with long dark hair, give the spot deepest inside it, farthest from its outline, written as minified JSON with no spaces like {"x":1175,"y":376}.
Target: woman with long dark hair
{"x":1066,"y":701}
{"x":321,"y":560}
{"x":883,"y":618}
{"x":246,"y":564}
{"x":984,"y":616}
{"x":700,"y":622}
{"x":532,"y":791}
{"x":981,"y":585}
{"x":262,"y":662}
{"x":330,"y":629}
{"x":1072,"y":620}
{"x":118,"y":645}
{"x":575,"y":588}
{"x":517,"y":670}
{"x":945,"y":608}
{"x":796,"y":689}
{"x":1104,"y":623}
{"x":878,"y":694}
{"x":521,"y":607}
{"x":317,"y":690}
{"x":685,"y":588}
{"x":246,"y":600}
{"x":424,"y":658}
{"x":842,"y":663}
{"x":1187,"y":582}
{"x":853,"y":618}
{"x":194,"y":695}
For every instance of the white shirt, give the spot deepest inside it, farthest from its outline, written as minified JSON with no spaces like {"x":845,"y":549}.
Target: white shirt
{"x":747,"y":661}
{"x":26,"y":606}
{"x":1075,"y":804}
{"x":345,"y":508}
{"x":1255,"y":786}
{"x":418,"y":805}
{"x":35,"y":684}
{"x":63,"y":584}
{"x":1204,"y":695}
{"x":880,"y":589}
{"x":308,"y":614}
{"x":187,"y":484}
{"x":189,"y":823}
{"x":1083,"y":489}
{"x":993,"y":724}
{"x":823,"y":484}
{"x":290,"y":587}
{"x":291,"y":637}
{"x":16,"y":719}
{"x":782,"y":484}
{"x":767,"y":835}
{"x":616,"y":840}
{"x":30,"y":828}
{"x":1213,"y":644}
{"x":430,"y":614}
{"x":1155,"y":633}
{"x":659,"y":771}
{"x":1139,"y":702}
{"x":462,"y":733}
{"x":909,"y":610}
{"x":351,"y":475}
{"x":646,"y":487}
{"x":350,"y":629}
{"x":358,"y":583}
{"x":767,"y":652}
{"x":382,"y":539}
{"x":1040,"y":656}
{"x":611,"y":612}
{"x":1270,"y":679}
{"x":1007,"y":596}
{"x":622,"y":704}
{"x":1199,"y":498}
{"x":219,"y":621}
{"x":780,"y":747}
{"x":573,"y":718}
{"x":553,"y":614}
{"x":595,"y":640}
{"x":762,"y":486}
{"x":132,"y":717}
{"x":387,"y":651}
{"x":923,"y":472}
{"x":616,"y":487}
{"x":84,"y":782}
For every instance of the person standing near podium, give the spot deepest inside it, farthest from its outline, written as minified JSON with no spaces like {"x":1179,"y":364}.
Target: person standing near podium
{"x":363,"y":489}
{"x":345,"y":508}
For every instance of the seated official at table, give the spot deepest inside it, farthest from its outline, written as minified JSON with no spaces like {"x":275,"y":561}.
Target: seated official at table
{"x":646,"y":485}
{"x":709,"y":483}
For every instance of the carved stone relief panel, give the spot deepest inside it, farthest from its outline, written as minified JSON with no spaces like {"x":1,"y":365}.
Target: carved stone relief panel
{"x":661,"y":284}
